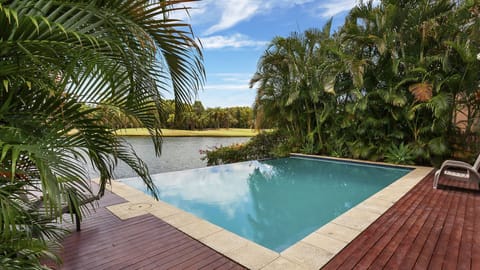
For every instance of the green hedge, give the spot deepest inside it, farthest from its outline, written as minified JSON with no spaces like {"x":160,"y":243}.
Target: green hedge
{"x":264,"y":145}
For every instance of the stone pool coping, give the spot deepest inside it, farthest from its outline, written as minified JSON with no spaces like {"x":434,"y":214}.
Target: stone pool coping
{"x":312,"y":252}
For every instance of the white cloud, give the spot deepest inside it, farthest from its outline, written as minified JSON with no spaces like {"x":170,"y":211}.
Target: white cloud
{"x":232,"y":41}
{"x":233,"y":12}
{"x":228,"y":81}
{"x":219,"y":15}
{"x":221,"y":87}
{"x":231,"y":77}
{"x":331,"y":8}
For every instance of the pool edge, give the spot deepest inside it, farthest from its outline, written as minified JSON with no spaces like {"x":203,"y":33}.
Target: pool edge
{"x":311,"y":252}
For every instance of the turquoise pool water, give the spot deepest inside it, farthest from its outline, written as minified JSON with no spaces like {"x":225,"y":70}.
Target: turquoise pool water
{"x":274,"y":203}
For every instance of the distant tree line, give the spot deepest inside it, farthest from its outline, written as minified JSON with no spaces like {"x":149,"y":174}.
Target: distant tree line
{"x":186,"y":116}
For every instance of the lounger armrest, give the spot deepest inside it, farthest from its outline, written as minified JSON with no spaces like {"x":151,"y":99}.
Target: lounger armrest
{"x":455,"y":163}
{"x":467,"y":167}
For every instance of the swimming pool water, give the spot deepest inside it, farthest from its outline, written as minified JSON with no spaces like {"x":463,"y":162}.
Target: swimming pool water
{"x":274,"y":203}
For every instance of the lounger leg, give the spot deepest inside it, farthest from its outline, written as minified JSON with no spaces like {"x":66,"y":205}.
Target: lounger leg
{"x":435,"y":179}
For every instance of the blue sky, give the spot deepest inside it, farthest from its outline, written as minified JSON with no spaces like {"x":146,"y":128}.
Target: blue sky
{"x":234,"y":34}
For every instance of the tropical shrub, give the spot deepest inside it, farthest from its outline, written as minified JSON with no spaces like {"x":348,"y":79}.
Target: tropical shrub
{"x":400,"y":154}
{"x":264,"y":145}
{"x":396,"y":72}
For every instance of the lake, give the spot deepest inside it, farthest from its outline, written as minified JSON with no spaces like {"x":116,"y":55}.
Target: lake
{"x":178,"y":153}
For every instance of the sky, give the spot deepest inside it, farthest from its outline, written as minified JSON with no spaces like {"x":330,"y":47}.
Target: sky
{"x":235,"y":33}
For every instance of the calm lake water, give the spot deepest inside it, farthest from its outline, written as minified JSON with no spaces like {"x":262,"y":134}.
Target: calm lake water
{"x":178,"y":153}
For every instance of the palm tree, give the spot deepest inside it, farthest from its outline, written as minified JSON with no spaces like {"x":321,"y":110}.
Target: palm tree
{"x":57,"y":57}
{"x":401,"y":46}
{"x":397,"y":72}
{"x":295,"y":80}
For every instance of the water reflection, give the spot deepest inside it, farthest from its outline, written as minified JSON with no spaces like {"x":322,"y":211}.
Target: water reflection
{"x":275,"y":202}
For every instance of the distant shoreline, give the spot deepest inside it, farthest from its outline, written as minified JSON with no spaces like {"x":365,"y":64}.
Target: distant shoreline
{"x":222,"y":132}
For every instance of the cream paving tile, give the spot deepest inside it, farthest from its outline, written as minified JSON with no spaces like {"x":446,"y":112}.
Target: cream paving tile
{"x":224,"y":241}
{"x":282,"y":263}
{"x":181,"y":219}
{"x":200,"y":229}
{"x":128,"y":210}
{"x":389,"y":195}
{"x":400,"y":186}
{"x":138,"y":196}
{"x":130,"y":193}
{"x":338,"y":232}
{"x":163,"y":210}
{"x":357,"y":219}
{"x":325,"y":242}
{"x":307,"y":256}
{"x":375,"y":205}
{"x":252,"y":256}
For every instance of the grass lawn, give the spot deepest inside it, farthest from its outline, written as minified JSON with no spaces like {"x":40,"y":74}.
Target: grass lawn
{"x":222,"y":132}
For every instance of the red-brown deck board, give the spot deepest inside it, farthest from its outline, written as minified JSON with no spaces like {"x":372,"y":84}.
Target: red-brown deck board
{"x":426,"y":229}
{"x":144,"y":242}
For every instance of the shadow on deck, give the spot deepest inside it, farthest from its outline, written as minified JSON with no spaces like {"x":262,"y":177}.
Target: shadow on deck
{"x":144,"y":242}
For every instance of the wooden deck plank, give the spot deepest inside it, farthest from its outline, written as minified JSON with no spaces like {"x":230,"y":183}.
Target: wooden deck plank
{"x":465,"y":251}
{"x":185,"y":260}
{"x":143,"y":242}
{"x":137,"y":249}
{"x":164,"y":251}
{"x":425,"y":254}
{"x":476,"y":240}
{"x":442,"y":247}
{"x":420,"y":239}
{"x":453,"y":247}
{"x":427,"y":228}
{"x":203,"y":263}
{"x":203,"y":258}
{"x":390,"y":246}
{"x":218,"y":264}
{"x":392,"y":235}
{"x":113,"y":239}
{"x":165,"y":256}
{"x":370,"y":242}
{"x":394,"y":255}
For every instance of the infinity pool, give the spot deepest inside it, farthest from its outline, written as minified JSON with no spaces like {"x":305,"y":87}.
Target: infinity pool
{"x":274,"y":203}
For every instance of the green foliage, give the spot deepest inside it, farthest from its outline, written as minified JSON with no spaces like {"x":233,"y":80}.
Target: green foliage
{"x":59,"y":74}
{"x":264,"y":145}
{"x":195,"y":117}
{"x":399,"y":71}
{"x":400,"y":154}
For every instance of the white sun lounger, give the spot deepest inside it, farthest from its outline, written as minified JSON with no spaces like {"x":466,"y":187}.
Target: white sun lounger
{"x":458,"y":170}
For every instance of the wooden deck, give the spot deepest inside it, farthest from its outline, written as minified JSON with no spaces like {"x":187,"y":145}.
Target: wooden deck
{"x":426,"y":229}
{"x":144,"y":242}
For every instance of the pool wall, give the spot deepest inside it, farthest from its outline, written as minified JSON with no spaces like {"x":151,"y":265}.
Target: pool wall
{"x":312,"y":252}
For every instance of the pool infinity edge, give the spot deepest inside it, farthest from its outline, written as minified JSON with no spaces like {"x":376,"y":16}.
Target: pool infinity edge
{"x":311,"y":252}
